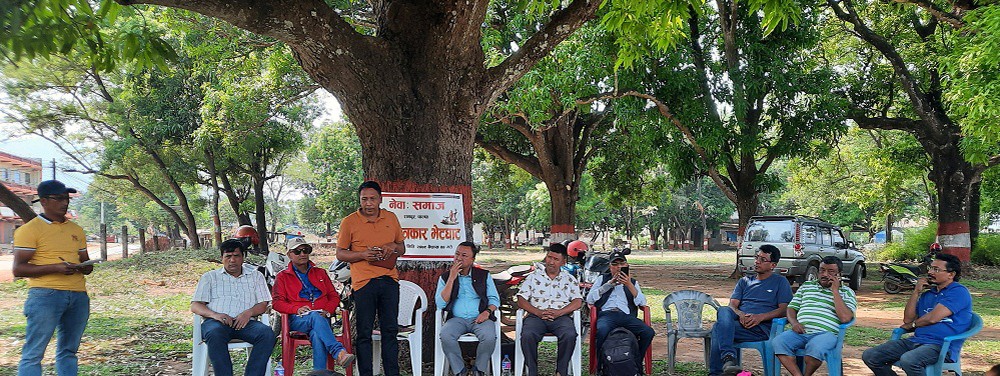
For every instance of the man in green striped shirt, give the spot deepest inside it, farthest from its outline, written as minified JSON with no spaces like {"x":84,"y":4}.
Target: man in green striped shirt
{"x":815,"y":315}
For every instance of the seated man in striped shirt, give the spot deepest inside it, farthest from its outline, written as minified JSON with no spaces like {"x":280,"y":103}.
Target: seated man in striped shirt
{"x":815,"y":315}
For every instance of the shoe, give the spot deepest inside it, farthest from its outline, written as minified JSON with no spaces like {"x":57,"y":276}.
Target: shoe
{"x":345,"y":359}
{"x":729,"y":366}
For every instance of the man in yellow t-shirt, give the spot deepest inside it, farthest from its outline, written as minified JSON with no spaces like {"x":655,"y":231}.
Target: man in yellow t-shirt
{"x":49,"y":250}
{"x":371,"y":240}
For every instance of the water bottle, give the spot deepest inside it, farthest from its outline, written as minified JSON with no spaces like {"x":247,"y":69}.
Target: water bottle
{"x":505,"y":366}
{"x":279,"y":370}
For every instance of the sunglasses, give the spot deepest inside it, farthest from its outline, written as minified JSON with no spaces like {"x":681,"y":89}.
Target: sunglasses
{"x":297,"y":251}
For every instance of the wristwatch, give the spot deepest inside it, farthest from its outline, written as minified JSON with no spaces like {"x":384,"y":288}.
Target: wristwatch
{"x":913,"y":324}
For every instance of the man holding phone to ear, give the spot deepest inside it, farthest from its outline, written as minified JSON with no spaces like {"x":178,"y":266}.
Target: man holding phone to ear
{"x":618,"y":299}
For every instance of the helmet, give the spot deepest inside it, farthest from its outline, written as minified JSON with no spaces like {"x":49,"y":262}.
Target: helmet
{"x":576,"y":248}
{"x":248,"y":236}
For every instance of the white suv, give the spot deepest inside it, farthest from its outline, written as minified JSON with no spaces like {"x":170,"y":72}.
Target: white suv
{"x":803,"y":242}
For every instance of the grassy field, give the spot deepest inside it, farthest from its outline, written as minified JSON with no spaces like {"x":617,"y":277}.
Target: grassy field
{"x":141,"y":325}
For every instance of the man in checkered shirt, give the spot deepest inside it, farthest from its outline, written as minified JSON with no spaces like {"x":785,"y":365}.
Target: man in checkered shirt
{"x":228,"y":299}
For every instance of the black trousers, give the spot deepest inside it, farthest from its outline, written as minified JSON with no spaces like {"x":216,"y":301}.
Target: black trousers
{"x":379,"y":297}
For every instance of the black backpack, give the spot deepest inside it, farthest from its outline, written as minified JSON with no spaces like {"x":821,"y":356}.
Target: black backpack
{"x":620,"y":354}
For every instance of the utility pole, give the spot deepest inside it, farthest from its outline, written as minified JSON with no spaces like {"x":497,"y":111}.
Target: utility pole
{"x":53,"y":169}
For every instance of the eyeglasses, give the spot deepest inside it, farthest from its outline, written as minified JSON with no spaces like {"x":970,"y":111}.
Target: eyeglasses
{"x":763,"y":259}
{"x":56,"y":198}
{"x":935,"y":269}
{"x":298,"y":251}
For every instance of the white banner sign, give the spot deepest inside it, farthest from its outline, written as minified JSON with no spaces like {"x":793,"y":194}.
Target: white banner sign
{"x":433,"y":223}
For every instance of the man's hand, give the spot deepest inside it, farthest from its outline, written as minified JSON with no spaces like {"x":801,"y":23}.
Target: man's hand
{"x":798,"y":328}
{"x":373,"y":254}
{"x":624,"y":279}
{"x":67,"y":268}
{"x":224,"y":319}
{"x":921,"y":285}
{"x":241,"y":320}
{"x":548,"y":314}
{"x":302,"y":310}
{"x":751,"y":320}
{"x":483,"y":316}
{"x":835,"y":286}
{"x":456,"y":267}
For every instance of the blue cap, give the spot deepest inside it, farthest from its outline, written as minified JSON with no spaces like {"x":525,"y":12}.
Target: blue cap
{"x":53,"y":187}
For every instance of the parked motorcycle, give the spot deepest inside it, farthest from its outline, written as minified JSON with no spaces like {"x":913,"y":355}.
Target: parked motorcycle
{"x":273,"y":263}
{"x":898,"y":277}
{"x":508,"y":283}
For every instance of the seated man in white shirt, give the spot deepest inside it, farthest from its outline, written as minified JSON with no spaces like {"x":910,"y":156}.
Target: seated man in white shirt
{"x":228,"y":298}
{"x":617,"y":297}
{"x":549,"y":296}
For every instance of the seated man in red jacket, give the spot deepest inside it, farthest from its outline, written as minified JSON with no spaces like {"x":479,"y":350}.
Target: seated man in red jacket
{"x":306,"y":294}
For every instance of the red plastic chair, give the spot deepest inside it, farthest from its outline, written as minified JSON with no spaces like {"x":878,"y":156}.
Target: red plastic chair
{"x":648,"y":359}
{"x":291,"y":340}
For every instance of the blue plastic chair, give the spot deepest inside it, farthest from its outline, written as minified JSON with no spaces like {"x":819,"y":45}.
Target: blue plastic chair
{"x":765,"y":350}
{"x":937,"y":368}
{"x":834,"y":360}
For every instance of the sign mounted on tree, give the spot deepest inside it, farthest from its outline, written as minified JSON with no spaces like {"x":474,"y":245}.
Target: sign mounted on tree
{"x":433,"y":223}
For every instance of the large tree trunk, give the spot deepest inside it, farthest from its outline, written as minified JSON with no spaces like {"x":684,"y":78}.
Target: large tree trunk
{"x":563,"y":203}
{"x":954,"y":179}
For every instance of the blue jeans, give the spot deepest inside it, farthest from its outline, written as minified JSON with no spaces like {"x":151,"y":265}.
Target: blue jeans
{"x":379,"y":296}
{"x":816,"y":345}
{"x":609,"y":320}
{"x":727,"y":331}
{"x":217,"y":336}
{"x":912,"y":357}
{"x":320,"y":335}
{"x":48,"y":309}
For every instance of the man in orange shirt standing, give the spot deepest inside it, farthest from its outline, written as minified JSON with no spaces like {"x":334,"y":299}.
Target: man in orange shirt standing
{"x":371,"y":240}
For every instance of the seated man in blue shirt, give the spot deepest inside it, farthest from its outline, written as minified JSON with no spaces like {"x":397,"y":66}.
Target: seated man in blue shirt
{"x":617,"y":298}
{"x":756,"y":300}
{"x":943,"y":310}
{"x":470,"y":298}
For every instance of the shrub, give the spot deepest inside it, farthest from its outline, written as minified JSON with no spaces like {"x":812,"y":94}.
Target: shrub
{"x":987,"y":250}
{"x":915,"y":244}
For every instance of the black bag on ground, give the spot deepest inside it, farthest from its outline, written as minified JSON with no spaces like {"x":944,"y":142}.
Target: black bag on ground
{"x":620,"y":355}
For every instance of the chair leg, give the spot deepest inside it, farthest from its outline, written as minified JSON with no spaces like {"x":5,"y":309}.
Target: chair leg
{"x":708,"y":349}
{"x":518,"y":357}
{"x":199,"y":360}
{"x":416,"y":356}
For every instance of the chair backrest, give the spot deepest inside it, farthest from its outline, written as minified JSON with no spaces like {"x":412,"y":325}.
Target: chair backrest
{"x":409,"y":295}
{"x":688,"y":305}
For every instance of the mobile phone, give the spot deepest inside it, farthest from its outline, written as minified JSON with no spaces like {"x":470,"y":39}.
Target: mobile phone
{"x":624,"y":270}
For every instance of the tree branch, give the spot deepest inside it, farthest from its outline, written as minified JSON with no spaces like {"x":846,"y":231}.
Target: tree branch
{"x":888,"y":123}
{"x":560,"y":26}
{"x":525,"y":162}
{"x":936,"y":11}
{"x":289,"y":21}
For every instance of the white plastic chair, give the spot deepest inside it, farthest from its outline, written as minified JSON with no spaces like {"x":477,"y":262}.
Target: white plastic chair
{"x":199,"y":349}
{"x":441,"y":366}
{"x":575,"y":364}
{"x":411,"y":326}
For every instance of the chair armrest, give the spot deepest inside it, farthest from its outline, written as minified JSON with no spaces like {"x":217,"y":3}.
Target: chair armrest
{"x":592,"y":309}
{"x":778,"y":324}
{"x":897,"y":334}
{"x":646,"y":316}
